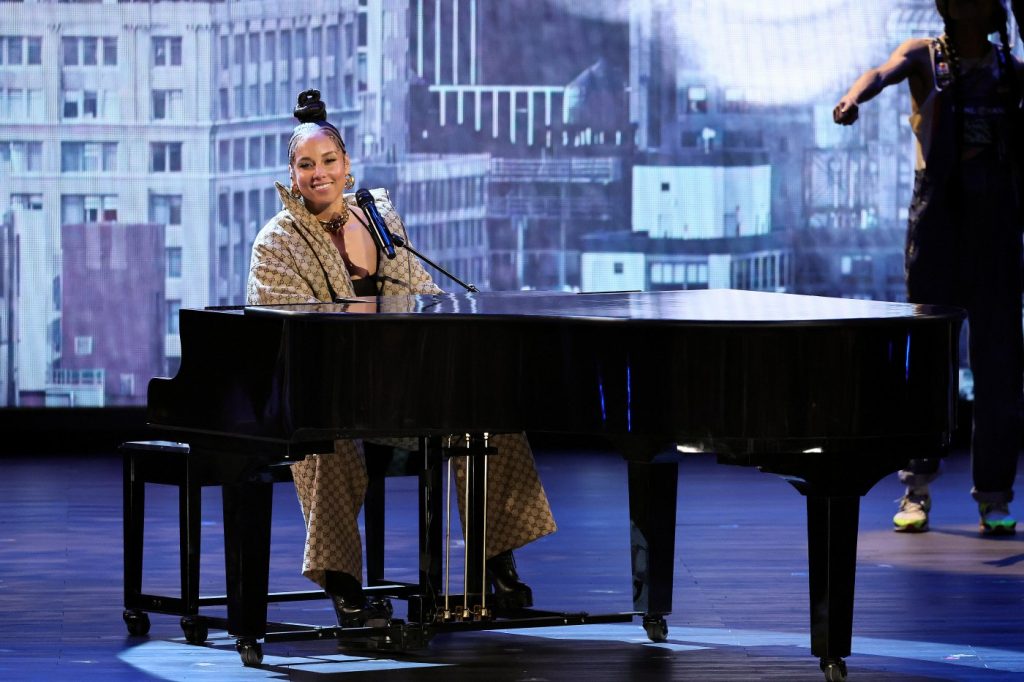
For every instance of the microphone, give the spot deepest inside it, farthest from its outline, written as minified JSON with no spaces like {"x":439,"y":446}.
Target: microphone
{"x":379,"y":229}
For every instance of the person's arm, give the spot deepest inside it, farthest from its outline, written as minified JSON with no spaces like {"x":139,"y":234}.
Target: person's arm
{"x":905,"y":61}
{"x":273,"y":279}
{"x":419,"y":280}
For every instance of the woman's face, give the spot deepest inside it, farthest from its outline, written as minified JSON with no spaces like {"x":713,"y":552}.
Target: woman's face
{"x":319,"y":170}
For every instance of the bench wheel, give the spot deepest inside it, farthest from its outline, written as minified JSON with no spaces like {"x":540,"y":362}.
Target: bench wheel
{"x":195,"y":629}
{"x":137,"y":622}
{"x":251,"y":652}
{"x":656,"y":627}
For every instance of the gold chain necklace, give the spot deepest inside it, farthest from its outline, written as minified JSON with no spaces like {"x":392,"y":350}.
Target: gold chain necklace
{"x":337,"y":221}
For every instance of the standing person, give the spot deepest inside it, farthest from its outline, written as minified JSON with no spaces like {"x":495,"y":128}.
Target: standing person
{"x":319,"y":248}
{"x":964,"y":231}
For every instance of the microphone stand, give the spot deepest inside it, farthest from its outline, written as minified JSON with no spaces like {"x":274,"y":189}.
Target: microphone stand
{"x":402,"y":243}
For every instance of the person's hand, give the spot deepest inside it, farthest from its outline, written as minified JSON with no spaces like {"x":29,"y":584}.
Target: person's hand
{"x":845,"y":112}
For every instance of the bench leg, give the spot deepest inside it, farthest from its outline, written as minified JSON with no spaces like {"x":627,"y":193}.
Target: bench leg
{"x":134,"y":518}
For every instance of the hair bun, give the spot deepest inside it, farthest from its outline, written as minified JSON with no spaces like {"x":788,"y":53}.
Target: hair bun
{"x":310,"y":109}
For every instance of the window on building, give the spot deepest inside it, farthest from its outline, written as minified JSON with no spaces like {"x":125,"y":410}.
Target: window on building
{"x":331,"y":41}
{"x":127,"y":384}
{"x":254,"y":48}
{"x":167,"y":105}
{"x":238,"y":154}
{"x":237,"y":214}
{"x":69,"y":50}
{"x":165,"y":209}
{"x":618,"y":267}
{"x":87,"y":104}
{"x":283,"y":156}
{"x":362,"y":29}
{"x":225,"y":54}
{"x":223,"y":212}
{"x":21,"y":157}
{"x":350,"y":39}
{"x":238,"y":52}
{"x":88,"y":208}
{"x":269,"y":151}
{"x":271,"y":202}
{"x":83,"y":345}
{"x":88,"y":51}
{"x":697,"y":99}
{"x":255,"y":213}
{"x":27,"y":202}
{"x":268,"y":97}
{"x":286,"y":45}
{"x":269,"y":46}
{"x":173,"y":255}
{"x":88,"y":157}
{"x":173,"y":308}
{"x":224,"y":155}
{"x":110,"y":51}
{"x":21,"y":50}
{"x":224,"y":104}
{"x":252,"y":101}
{"x":34,"y":51}
{"x":255,"y":152}
{"x":166,"y":157}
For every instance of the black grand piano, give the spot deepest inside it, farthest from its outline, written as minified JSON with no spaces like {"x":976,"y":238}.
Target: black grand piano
{"x":831,"y":394}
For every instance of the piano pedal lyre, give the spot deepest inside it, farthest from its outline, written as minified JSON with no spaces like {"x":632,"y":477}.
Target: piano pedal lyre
{"x":475,"y":612}
{"x":445,"y":615}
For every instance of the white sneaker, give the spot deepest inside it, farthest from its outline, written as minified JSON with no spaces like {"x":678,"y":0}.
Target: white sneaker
{"x":913,"y":514}
{"x":996,"y":519}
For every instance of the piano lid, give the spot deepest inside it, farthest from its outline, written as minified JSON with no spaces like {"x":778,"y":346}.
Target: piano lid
{"x":707,"y":306}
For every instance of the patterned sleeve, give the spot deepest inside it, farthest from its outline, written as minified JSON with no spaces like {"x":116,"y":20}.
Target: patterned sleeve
{"x":273,"y":275}
{"x":419,"y":280}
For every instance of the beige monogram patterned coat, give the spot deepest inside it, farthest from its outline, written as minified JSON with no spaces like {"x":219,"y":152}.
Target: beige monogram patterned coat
{"x":294,"y":261}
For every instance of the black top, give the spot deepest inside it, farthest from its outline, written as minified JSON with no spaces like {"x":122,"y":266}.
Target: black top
{"x":365,"y":286}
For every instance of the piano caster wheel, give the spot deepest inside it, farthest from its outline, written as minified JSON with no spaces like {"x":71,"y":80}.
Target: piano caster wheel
{"x":251,"y":652}
{"x":834,"y":669}
{"x":656,"y":627}
{"x":137,"y":622}
{"x":195,"y":629}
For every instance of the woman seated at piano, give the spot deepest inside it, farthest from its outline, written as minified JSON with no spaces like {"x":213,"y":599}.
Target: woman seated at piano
{"x":317,"y":249}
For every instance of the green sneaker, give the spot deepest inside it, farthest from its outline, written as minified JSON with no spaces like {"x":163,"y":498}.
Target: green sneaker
{"x":996,"y":519}
{"x":913,"y":514}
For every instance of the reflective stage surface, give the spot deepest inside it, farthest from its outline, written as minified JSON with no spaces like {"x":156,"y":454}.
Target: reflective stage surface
{"x":946,"y":605}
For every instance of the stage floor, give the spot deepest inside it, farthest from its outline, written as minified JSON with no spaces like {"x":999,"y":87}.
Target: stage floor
{"x":945,"y":605}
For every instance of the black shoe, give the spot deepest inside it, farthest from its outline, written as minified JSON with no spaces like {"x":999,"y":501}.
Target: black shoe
{"x":371,"y":613}
{"x":353,"y":609}
{"x":509,"y":591}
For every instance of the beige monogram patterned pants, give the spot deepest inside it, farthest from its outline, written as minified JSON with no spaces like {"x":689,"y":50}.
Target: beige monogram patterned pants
{"x":331,"y":489}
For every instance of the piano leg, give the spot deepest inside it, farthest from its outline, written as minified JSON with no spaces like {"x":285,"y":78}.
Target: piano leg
{"x":652,"y":528}
{"x":247,"y":514}
{"x":832,"y":560}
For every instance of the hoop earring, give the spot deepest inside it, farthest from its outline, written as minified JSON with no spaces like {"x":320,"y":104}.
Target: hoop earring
{"x":296,"y":194}
{"x":350,"y":181}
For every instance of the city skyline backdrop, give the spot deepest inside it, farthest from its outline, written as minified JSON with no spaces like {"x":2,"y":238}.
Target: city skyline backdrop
{"x":528,"y":144}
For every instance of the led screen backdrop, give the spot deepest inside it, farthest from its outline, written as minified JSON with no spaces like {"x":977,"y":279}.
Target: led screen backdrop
{"x":529,"y":144}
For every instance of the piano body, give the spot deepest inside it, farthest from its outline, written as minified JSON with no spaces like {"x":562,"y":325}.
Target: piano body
{"x":831,"y":394}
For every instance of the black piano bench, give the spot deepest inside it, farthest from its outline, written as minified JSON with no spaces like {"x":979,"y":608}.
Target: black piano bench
{"x":172,"y":463}
{"x":177,"y":464}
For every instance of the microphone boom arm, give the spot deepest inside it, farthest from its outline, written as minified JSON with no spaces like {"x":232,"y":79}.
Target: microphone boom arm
{"x":399,"y":241}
